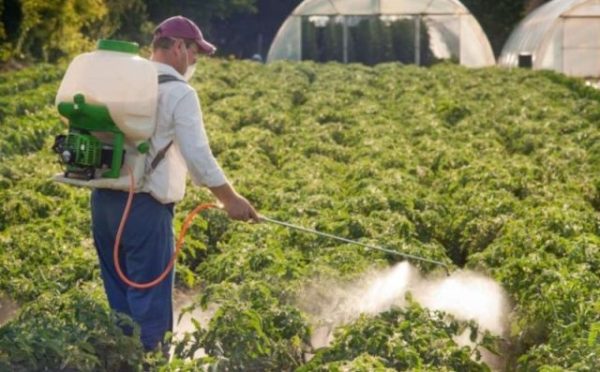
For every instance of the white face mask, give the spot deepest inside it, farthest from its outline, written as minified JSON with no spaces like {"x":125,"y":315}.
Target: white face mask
{"x":189,"y":71}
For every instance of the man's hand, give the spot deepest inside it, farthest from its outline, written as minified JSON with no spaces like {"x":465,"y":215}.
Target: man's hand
{"x":239,"y":208}
{"x":236,"y":206}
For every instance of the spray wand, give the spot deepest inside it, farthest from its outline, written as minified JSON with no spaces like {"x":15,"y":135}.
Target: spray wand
{"x":345,"y":240}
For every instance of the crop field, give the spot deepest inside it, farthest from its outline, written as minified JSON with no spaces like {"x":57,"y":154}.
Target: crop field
{"x":491,"y":170}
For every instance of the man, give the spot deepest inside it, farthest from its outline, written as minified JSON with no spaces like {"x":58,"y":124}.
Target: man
{"x":178,"y":145}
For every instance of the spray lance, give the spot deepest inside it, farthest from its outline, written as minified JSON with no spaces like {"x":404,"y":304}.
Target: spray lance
{"x":355,"y":242}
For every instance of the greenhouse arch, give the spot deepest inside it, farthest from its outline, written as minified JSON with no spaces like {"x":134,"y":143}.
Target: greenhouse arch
{"x":374,"y":31}
{"x":562,"y":35}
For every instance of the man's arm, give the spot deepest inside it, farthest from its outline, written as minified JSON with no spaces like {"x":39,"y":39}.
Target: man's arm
{"x":237,"y":207}
{"x":203,"y":167}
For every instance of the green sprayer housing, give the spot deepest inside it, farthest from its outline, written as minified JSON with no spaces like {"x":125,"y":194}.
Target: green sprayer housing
{"x":80,"y":150}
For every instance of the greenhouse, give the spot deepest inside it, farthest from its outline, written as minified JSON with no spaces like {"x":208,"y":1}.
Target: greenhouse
{"x":562,"y":35}
{"x":374,"y":31}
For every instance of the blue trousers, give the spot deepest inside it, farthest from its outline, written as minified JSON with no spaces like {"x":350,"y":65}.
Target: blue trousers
{"x":145,"y":250}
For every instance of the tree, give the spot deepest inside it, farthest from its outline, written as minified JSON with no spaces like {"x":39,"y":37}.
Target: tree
{"x":126,"y":20}
{"x":2,"y":32}
{"x":10,"y":17}
{"x":55,"y":29}
{"x":245,"y":34}
{"x":51,"y":29}
{"x":204,"y":13}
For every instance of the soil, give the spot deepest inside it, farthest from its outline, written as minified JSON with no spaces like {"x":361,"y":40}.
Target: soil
{"x":8,"y":309}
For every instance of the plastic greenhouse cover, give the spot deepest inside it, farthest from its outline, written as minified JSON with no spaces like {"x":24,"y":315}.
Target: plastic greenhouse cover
{"x":475,"y":49}
{"x":444,"y":36}
{"x":531,"y":32}
{"x":581,"y":53}
{"x":423,"y":6}
{"x":577,"y":33}
{"x":588,"y":9}
{"x":315,"y":7}
{"x":287,"y":41}
{"x":450,"y":27}
{"x":357,"y":6}
{"x":364,"y":7}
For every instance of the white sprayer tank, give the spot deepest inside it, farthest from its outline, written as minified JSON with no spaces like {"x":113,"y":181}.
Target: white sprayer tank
{"x":116,"y":77}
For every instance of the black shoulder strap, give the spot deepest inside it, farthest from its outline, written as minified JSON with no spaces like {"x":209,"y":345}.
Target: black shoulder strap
{"x":160,"y":156}
{"x":165,"y":78}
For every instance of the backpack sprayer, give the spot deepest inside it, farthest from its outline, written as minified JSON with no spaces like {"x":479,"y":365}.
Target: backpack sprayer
{"x":109,"y":97}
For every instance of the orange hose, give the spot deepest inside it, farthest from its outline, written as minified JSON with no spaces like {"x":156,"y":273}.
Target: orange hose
{"x":186,"y":225}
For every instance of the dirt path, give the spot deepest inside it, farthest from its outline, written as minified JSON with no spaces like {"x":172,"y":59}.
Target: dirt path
{"x":183,"y":299}
{"x":8,"y":309}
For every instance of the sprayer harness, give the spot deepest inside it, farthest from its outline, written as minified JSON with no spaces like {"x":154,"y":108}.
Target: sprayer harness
{"x":160,"y":155}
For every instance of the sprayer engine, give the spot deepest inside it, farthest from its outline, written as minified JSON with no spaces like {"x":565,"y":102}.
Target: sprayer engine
{"x":80,"y":151}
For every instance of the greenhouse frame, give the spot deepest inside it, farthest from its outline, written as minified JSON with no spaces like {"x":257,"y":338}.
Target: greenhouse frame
{"x":374,"y":31}
{"x":562,"y":35}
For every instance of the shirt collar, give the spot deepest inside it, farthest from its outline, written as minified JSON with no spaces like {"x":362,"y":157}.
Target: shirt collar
{"x":163,"y":68}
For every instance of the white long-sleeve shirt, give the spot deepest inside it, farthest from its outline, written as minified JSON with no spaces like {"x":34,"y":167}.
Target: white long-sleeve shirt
{"x":179,"y":119}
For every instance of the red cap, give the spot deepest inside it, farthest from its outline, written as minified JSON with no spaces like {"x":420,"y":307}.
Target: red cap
{"x":183,"y":28}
